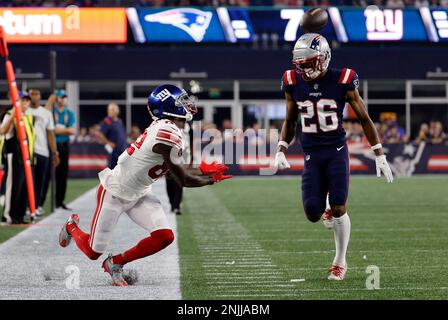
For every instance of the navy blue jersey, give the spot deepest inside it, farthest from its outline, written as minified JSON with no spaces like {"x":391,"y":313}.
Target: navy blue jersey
{"x":321,"y":104}
{"x":115,"y":132}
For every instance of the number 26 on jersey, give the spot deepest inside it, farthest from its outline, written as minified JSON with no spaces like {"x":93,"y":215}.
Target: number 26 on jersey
{"x":319,"y":116}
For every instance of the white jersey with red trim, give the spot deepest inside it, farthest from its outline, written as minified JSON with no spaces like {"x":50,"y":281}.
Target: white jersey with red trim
{"x":139,"y":166}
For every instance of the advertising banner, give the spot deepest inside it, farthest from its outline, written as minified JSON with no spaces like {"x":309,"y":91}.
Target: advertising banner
{"x":64,"y":25}
{"x":87,"y":159}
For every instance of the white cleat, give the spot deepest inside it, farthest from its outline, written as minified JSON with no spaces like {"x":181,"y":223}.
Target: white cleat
{"x":337,"y":273}
{"x":327,"y":219}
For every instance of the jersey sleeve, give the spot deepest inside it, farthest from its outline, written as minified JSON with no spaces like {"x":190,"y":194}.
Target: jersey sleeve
{"x":167,"y":133}
{"x":349,"y":79}
{"x":288,"y":81}
{"x":105,"y":126}
{"x":50,"y":119}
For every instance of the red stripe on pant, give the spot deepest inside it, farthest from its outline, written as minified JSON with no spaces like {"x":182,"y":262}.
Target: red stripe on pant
{"x":99,"y":205}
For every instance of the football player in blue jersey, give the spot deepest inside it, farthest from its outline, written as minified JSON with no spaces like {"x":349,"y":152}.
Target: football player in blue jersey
{"x":316,"y":95}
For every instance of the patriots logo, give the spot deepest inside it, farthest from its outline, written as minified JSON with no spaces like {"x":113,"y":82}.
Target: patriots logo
{"x":193,"y":21}
{"x":315,"y":44}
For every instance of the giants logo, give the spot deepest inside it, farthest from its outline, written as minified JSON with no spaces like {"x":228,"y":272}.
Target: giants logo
{"x":383,"y":24}
{"x":164,"y":94}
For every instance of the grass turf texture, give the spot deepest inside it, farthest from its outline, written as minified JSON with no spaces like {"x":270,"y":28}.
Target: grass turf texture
{"x":248,"y":238}
{"x":75,"y":188}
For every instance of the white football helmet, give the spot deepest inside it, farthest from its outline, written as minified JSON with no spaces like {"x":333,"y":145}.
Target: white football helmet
{"x":311,"y":56}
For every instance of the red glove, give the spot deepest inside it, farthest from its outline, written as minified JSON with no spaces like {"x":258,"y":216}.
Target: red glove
{"x":212,"y":167}
{"x":217,"y":177}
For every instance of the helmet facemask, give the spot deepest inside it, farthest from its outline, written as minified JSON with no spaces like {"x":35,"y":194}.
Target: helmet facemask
{"x":188,"y":103}
{"x":311,"y":68}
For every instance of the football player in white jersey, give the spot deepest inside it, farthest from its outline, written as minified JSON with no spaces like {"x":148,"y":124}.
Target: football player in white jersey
{"x":127,"y":188}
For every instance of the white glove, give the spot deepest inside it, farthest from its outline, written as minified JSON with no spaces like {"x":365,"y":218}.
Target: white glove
{"x":108,"y":148}
{"x":280,"y":161}
{"x":383,"y":166}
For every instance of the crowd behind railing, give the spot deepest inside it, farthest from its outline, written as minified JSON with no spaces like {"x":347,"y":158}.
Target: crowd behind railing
{"x":389,"y":130}
{"x":213,"y":3}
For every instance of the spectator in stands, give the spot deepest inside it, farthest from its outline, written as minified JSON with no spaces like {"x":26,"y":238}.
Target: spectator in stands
{"x":134,"y":134}
{"x":395,"y":4}
{"x":435,"y":133}
{"x":93,"y":134}
{"x":64,"y":120}
{"x":226,"y":126}
{"x":423,"y":133}
{"x":354,"y":131}
{"x":113,"y":134}
{"x":393,"y":135}
{"x":83,"y":136}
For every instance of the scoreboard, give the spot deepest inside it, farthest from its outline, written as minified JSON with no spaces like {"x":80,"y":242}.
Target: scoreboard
{"x":218,"y":25}
{"x":243,"y":24}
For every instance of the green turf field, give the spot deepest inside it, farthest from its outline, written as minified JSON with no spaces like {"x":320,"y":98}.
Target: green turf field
{"x":75,"y":188}
{"x":248,"y":238}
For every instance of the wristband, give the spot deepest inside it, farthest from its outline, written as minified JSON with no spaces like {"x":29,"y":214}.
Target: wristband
{"x":375,"y":147}
{"x":283,"y":144}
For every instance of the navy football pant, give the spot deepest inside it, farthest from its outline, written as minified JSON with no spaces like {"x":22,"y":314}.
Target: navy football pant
{"x":326,"y":171}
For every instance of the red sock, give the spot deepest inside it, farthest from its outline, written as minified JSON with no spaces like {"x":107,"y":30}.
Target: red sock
{"x":157,"y":241}
{"x":82,"y":241}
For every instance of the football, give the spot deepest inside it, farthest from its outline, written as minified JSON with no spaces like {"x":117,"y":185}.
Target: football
{"x":314,"y":20}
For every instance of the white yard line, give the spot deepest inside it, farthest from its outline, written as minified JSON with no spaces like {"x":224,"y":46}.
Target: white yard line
{"x":300,"y":291}
{"x":34,"y":266}
{"x":229,"y":253}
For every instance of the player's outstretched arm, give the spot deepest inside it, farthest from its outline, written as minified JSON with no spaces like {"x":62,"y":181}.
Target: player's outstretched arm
{"x":288,"y":132}
{"x":371,"y":133}
{"x":183,"y":176}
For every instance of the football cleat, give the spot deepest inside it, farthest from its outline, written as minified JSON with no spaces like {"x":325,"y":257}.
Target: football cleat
{"x":64,"y":236}
{"x":115,"y":271}
{"x":337,"y":272}
{"x":327,"y":219}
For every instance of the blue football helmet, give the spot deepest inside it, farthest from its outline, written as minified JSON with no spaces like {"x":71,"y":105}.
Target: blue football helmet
{"x":170,"y":101}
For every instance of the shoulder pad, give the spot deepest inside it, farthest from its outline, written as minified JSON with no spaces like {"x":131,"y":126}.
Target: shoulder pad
{"x":346,"y":76}
{"x":168,"y":133}
{"x":289,"y":78}
{"x":107,"y":121}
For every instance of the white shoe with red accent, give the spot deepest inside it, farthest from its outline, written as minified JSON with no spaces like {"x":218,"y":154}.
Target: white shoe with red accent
{"x":327,"y":219}
{"x":337,"y":272}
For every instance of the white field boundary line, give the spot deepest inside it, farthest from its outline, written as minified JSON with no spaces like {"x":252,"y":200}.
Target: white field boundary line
{"x":169,"y":264}
{"x":354,"y":230}
{"x":368,"y":176}
{"x":87,"y":196}
{"x":357,"y":240}
{"x":416,"y":268}
{"x":304,"y":290}
{"x":359,"y":251}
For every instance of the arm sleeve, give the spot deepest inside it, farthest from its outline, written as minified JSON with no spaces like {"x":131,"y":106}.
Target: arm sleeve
{"x":104,"y":128}
{"x":71,"y":119}
{"x":50,"y":120}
